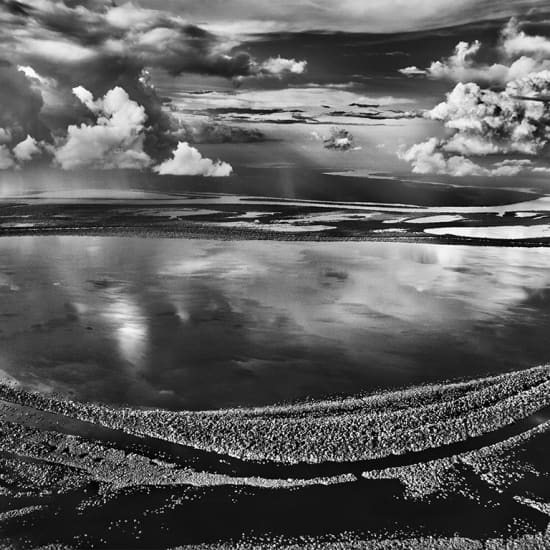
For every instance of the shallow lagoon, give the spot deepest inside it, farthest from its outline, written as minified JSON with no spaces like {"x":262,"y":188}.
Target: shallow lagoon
{"x":207,"y":324}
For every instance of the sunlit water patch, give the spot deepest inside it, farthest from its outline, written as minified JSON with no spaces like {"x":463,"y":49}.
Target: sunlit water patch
{"x":506,"y":232}
{"x":204,"y":324}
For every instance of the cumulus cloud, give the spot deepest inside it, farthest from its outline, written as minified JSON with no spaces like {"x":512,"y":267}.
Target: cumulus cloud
{"x":489,"y":122}
{"x":22,"y":152}
{"x":58,"y":45}
{"x":462,"y":66}
{"x":26,"y":149}
{"x":429,"y":157}
{"x":512,"y":167}
{"x":516,"y":42}
{"x":542,"y":169}
{"x":341,"y":140}
{"x":114,"y":140}
{"x":187,"y":161}
{"x":482,"y":122}
{"x":519,"y":55}
{"x":280,"y":66}
{"x":413,"y":70}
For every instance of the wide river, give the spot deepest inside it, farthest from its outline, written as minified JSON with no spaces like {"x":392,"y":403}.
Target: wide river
{"x":205,"y":324}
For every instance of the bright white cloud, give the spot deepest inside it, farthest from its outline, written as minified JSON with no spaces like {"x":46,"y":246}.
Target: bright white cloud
{"x":87,"y":98}
{"x":114,"y":141}
{"x":523,"y":55}
{"x":429,"y":157}
{"x":14,"y":157}
{"x":340,"y":139}
{"x":26,"y":149}
{"x":279,"y":66}
{"x":517,"y":42}
{"x":487,"y":122}
{"x":512,"y":121}
{"x":511,"y":167}
{"x":458,"y":65}
{"x":30,"y":73}
{"x":542,"y":169}
{"x":413,"y":71}
{"x":187,"y":161}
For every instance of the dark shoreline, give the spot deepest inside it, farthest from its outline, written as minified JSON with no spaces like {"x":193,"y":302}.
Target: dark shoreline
{"x":223,"y":234}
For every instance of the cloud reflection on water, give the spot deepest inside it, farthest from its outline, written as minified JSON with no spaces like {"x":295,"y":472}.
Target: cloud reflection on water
{"x":205,"y":324}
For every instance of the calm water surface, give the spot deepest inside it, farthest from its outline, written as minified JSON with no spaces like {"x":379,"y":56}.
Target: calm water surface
{"x":204,"y":324}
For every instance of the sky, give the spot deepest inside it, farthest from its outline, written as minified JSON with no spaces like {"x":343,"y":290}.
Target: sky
{"x":459,"y":88}
{"x":372,"y":16}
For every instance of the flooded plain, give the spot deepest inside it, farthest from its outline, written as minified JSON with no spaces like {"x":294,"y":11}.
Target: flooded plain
{"x":192,"y":324}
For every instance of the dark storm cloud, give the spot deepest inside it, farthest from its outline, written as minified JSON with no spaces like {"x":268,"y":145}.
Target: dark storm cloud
{"x":59,"y":45}
{"x":20,"y":105}
{"x":14,"y":7}
{"x":55,"y":32}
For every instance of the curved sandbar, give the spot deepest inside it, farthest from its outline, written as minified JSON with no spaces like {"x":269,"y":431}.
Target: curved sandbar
{"x":353,"y":429}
